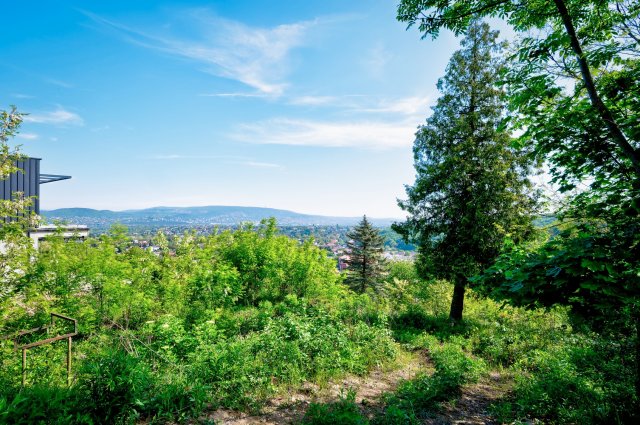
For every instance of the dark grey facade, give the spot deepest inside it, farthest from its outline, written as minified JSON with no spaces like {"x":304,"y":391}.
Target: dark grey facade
{"x":27,"y":181}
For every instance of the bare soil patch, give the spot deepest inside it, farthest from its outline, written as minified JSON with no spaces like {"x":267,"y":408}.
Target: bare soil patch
{"x":473,"y":406}
{"x":291,"y":406}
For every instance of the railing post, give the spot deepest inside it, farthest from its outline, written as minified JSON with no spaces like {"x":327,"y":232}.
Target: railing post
{"x":24,"y":367}
{"x":69,"y":362}
{"x":68,"y":336}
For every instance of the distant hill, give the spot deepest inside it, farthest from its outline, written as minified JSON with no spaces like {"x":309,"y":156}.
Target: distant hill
{"x":197,"y":216}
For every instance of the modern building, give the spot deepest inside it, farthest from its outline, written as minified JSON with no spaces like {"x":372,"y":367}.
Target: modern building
{"x":27,"y":181}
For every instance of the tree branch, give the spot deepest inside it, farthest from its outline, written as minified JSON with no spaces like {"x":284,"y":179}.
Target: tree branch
{"x":614,"y":130}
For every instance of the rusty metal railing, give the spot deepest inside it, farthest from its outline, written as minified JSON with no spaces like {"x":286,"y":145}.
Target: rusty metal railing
{"x":17,"y":335}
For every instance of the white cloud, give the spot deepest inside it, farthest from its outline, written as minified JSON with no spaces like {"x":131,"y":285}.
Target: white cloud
{"x":409,"y":106}
{"x":414,"y":107}
{"x":314,"y":100}
{"x":101,"y":128}
{"x":27,"y":136}
{"x":231,"y":95}
{"x":257,"y":57}
{"x":170,"y":157}
{"x":376,"y":60}
{"x":257,"y":164}
{"x":58,"y":117}
{"x":227,"y":159}
{"x":361,"y":134}
{"x":58,"y":83}
{"x":181,"y":156}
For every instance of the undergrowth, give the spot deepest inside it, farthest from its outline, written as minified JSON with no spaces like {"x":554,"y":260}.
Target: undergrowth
{"x":233,"y":319}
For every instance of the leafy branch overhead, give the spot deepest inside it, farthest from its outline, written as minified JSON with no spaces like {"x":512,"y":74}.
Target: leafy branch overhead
{"x":573,"y":78}
{"x":15,"y":246}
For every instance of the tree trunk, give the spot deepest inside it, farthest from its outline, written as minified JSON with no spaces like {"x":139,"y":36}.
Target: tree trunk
{"x":363,"y":286}
{"x":457,"y":302}
{"x":636,"y":317}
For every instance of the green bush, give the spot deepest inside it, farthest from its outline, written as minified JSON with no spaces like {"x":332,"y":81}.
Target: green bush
{"x":298,"y":343}
{"x":167,"y":337}
{"x":175,"y":397}
{"x":116,"y":385}
{"x":344,"y":411}
{"x":44,"y":404}
{"x":395,"y":414}
{"x":553,"y":386}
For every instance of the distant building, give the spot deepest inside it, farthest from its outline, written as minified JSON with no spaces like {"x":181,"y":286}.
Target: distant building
{"x":27,"y":181}
{"x":343,"y":262}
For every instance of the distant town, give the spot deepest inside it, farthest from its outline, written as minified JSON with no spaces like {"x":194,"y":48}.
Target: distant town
{"x":328,"y":233}
{"x":333,"y":239}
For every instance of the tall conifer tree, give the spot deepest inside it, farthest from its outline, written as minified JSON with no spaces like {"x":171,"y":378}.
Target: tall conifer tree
{"x":366,"y":264}
{"x":471,"y":187}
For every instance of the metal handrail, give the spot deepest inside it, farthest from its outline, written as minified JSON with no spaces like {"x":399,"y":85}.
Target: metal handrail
{"x":15,"y":336}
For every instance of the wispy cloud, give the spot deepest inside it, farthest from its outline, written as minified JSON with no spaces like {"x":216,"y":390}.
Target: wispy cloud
{"x":231,"y":95}
{"x":27,"y":136}
{"x":227,"y":159}
{"x":170,"y":157}
{"x":60,"y":116}
{"x":57,"y":82}
{"x":359,"y":134}
{"x":22,"y":96}
{"x":314,"y":100}
{"x":257,"y":57}
{"x":256,"y":164}
{"x":101,"y":128}
{"x":409,"y":106}
{"x":376,"y":60}
{"x":46,"y":78}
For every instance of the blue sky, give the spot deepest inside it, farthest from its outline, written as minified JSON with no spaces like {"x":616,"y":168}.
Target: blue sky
{"x":309,"y":105}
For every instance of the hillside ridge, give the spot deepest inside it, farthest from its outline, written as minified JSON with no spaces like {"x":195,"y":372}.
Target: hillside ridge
{"x":201,"y":215}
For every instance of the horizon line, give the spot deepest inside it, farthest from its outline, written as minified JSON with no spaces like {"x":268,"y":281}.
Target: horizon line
{"x":225,"y":206}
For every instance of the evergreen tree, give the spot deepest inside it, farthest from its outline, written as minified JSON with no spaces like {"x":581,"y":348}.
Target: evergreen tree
{"x":472,"y":186}
{"x":366,"y":265}
{"x":574,"y":85}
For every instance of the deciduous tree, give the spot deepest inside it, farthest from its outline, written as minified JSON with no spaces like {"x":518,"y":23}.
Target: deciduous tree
{"x":15,"y":249}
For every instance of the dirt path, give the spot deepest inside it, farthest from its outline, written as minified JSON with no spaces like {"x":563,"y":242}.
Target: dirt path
{"x":471,"y":408}
{"x":290,"y":407}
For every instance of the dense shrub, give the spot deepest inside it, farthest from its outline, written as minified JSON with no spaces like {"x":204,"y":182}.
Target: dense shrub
{"x":43,"y":404}
{"x":289,"y":349}
{"x":115,"y":385}
{"x":344,"y":411}
{"x":571,"y":384}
